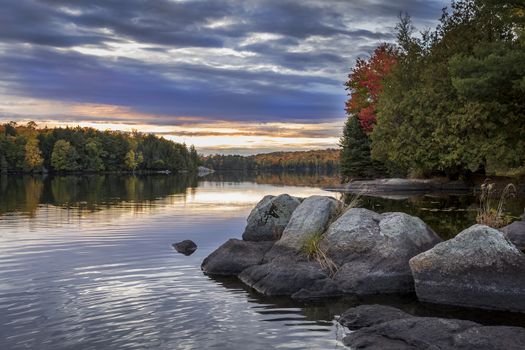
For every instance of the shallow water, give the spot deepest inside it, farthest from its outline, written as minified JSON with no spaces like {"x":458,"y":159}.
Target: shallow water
{"x":86,"y":263}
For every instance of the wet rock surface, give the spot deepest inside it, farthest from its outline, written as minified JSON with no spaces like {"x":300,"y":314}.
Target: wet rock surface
{"x":186,"y":247}
{"x":234,"y":256}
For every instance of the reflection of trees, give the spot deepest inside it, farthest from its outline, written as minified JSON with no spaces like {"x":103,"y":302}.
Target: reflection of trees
{"x":313,"y":179}
{"x":20,"y":194}
{"x":93,"y":192}
{"x":63,"y":189}
{"x":446,"y":214}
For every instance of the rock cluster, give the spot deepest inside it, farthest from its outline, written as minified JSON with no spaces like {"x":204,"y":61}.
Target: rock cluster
{"x":368,"y":252}
{"x":358,"y":251}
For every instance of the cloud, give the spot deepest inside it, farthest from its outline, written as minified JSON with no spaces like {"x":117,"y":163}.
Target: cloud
{"x":226,"y":60}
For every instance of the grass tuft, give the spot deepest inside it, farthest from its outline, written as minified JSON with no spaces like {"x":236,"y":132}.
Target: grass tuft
{"x":491,"y":211}
{"x":314,"y":251}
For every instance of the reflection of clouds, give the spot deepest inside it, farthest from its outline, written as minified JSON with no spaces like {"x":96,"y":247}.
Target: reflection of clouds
{"x":109,"y":280}
{"x":224,"y":199}
{"x":211,"y":195}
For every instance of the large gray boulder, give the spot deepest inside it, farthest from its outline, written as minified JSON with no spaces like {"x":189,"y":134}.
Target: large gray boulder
{"x":269,"y":218}
{"x":312,"y":217}
{"x":478,"y":268}
{"x":372,"y":250}
{"x":515,"y":233}
{"x":403,"y":331}
{"x":234,"y":256}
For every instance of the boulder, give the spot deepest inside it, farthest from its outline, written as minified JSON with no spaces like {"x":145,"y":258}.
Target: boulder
{"x":185,"y":247}
{"x":370,"y":315}
{"x":478,"y":268}
{"x":372,"y":250}
{"x":269,"y":218}
{"x":411,"y":333}
{"x":234,"y":256}
{"x":515,"y":233}
{"x":312,"y":217}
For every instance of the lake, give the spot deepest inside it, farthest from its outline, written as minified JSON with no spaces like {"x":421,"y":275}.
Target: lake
{"x":86,"y":263}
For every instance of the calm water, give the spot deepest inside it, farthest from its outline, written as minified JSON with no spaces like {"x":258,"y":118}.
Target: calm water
{"x":86,"y":263}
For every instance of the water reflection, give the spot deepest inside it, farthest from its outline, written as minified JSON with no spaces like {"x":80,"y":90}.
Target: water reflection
{"x":89,"y":271}
{"x":91,"y":192}
{"x":279,"y":178}
{"x":447,"y":214}
{"x":87,"y":264}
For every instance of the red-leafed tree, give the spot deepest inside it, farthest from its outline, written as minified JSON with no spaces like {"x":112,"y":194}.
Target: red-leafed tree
{"x":365,"y":83}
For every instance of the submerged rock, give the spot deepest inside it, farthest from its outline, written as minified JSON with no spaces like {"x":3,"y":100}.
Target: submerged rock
{"x":478,"y":268}
{"x":373,"y":250}
{"x":385,"y":328}
{"x":269,"y":218}
{"x":234,"y":256}
{"x":185,"y":247}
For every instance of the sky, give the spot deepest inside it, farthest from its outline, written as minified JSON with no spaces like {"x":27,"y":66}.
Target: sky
{"x":228,"y":76}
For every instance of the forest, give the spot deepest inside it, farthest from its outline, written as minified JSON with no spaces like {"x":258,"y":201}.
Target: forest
{"x":26,"y":148}
{"x":305,"y":161}
{"x":443,"y":102}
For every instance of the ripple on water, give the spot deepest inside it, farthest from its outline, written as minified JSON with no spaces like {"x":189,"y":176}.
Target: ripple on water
{"x":110,"y":280}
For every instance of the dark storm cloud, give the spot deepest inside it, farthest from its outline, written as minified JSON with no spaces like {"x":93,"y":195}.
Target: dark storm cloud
{"x":297,"y":73}
{"x":205,"y":91}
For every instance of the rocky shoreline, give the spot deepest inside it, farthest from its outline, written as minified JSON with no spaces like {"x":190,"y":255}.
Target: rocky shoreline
{"x":316,"y":248}
{"x":385,"y":327}
{"x":397,"y":186}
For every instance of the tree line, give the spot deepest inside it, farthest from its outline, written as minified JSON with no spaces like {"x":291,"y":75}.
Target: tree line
{"x":26,"y":148}
{"x":447,"y":102}
{"x":304,"y":161}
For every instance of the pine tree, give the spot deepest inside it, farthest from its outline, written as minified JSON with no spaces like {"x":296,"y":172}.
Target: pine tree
{"x":355,"y":152}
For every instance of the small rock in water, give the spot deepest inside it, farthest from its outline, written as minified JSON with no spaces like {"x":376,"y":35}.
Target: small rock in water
{"x":186,"y":247}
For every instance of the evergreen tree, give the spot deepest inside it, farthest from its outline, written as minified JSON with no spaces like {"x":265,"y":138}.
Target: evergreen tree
{"x":355,"y":152}
{"x":453,"y":104}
